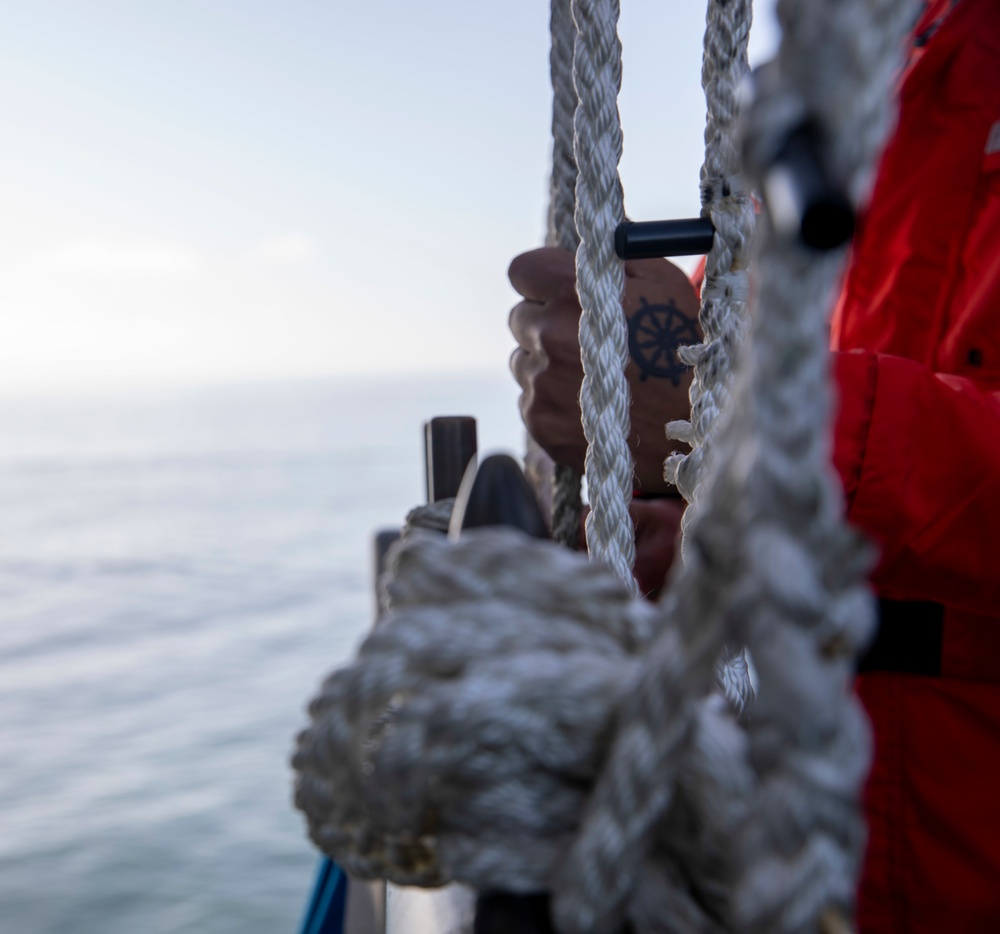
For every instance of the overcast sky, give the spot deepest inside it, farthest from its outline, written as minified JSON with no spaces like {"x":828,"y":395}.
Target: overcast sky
{"x":215,"y":190}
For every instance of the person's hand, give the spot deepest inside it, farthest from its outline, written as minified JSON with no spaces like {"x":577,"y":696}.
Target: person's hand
{"x":657,"y":525}
{"x":661,"y":307}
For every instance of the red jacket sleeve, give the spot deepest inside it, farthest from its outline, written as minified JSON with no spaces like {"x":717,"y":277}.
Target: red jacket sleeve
{"x":919,"y":455}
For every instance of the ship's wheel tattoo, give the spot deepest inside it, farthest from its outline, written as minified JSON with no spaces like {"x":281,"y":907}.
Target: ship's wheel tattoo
{"x":654,"y":334}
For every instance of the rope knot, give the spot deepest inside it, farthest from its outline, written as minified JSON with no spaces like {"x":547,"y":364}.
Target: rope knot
{"x":468,"y":740}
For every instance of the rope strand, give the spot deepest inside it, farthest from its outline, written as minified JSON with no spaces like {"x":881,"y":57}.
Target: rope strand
{"x":559,"y":486}
{"x":520,"y":720}
{"x":806,"y":605}
{"x":600,"y":278}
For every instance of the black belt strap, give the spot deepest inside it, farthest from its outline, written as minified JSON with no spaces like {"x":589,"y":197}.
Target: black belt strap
{"x":908,"y":638}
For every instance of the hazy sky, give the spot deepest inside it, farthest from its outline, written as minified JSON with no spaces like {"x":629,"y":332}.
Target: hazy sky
{"x":209,"y":190}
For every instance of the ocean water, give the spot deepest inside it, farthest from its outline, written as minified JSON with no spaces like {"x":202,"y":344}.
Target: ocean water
{"x":178,"y":570}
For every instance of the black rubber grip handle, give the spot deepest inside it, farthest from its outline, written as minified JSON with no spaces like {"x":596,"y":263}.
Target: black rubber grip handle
{"x":647,"y":239}
{"x":801,"y":198}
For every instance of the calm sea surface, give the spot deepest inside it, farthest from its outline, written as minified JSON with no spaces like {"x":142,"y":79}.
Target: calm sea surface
{"x":177,"y":572}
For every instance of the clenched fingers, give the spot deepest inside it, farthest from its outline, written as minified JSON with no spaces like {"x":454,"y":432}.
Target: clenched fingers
{"x":545,"y":273}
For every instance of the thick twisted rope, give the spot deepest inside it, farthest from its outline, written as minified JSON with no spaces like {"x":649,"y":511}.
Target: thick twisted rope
{"x":462,"y":742}
{"x":600,"y":278}
{"x":743,"y":579}
{"x":656,"y":736}
{"x":431,"y":517}
{"x":724,"y":312}
{"x":805,"y":608}
{"x":562,"y":201}
{"x":512,"y":686}
{"x":560,"y":485}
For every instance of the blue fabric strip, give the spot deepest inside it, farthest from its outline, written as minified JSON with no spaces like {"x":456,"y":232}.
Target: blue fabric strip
{"x":325,"y":914}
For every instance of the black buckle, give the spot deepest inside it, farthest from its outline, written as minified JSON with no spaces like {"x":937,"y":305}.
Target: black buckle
{"x":908,"y":639}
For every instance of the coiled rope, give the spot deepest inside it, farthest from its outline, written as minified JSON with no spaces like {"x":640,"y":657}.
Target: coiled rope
{"x":520,"y":721}
{"x":462,"y":742}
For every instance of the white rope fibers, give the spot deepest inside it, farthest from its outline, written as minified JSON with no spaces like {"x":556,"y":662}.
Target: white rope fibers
{"x":724,"y":314}
{"x":561,"y":231}
{"x":600,"y":278}
{"x":520,"y":721}
{"x":804,"y":608}
{"x":463,"y":742}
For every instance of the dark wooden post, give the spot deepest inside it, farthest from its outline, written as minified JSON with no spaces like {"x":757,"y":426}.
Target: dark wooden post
{"x":449,"y":447}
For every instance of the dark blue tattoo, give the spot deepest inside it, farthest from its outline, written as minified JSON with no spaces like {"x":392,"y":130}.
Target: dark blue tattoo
{"x":654,"y":334}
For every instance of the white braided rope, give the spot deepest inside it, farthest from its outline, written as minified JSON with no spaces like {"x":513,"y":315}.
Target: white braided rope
{"x":566,"y":505}
{"x":745,"y":577}
{"x":724,"y":313}
{"x":431,"y":517}
{"x":462,"y":742}
{"x":656,"y":734}
{"x":510,"y":676}
{"x":538,"y":470}
{"x":561,"y":228}
{"x":600,"y":279}
{"x":805,"y":606}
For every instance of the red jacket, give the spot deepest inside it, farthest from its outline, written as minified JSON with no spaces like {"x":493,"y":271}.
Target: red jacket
{"x":918,"y":447}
